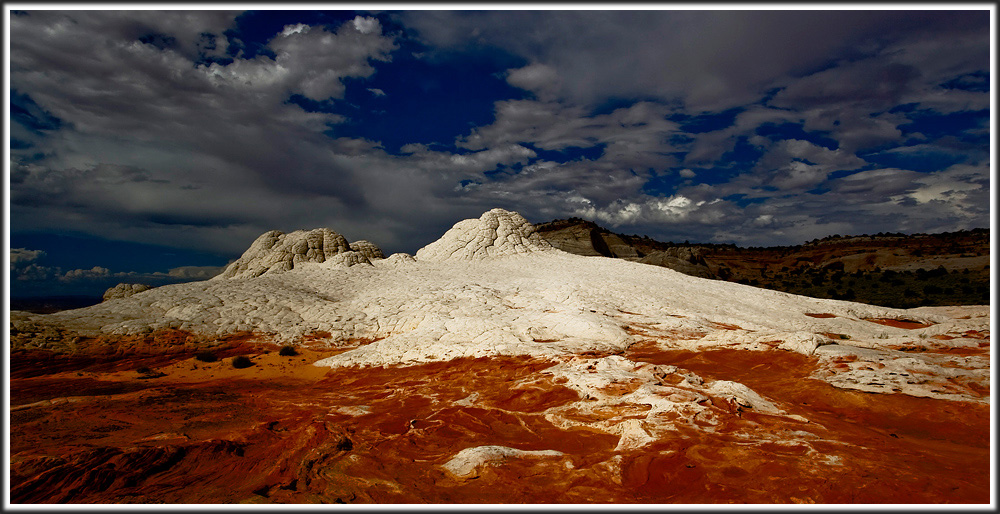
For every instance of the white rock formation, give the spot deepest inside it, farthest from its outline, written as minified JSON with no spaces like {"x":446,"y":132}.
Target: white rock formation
{"x":277,"y":252}
{"x":491,"y":287}
{"x":496,"y":233}
{"x":368,"y":249}
{"x":124,"y":291}
{"x":467,"y":461}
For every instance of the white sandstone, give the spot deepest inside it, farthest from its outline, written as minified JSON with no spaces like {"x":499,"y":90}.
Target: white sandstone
{"x":491,"y":286}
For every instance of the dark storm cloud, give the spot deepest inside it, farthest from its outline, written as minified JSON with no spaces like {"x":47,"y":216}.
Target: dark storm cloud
{"x":225,"y":130}
{"x":710,"y":60}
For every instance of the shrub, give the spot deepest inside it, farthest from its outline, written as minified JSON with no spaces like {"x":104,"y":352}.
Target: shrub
{"x":242,"y":361}
{"x":287,"y":351}
{"x":206,"y":356}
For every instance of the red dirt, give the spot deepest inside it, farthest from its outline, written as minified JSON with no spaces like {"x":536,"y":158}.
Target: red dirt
{"x":897,"y":448}
{"x":286,"y":432}
{"x":899,"y":323}
{"x":821,"y":315}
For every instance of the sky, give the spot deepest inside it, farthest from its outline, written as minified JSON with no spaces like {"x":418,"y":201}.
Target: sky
{"x":155,"y":146}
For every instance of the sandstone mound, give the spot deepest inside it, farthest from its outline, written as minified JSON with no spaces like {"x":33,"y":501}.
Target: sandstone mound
{"x":496,"y":233}
{"x":124,"y":291}
{"x":368,"y":249}
{"x":277,"y":252}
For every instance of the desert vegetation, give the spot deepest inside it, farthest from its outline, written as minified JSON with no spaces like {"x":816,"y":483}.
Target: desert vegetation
{"x":242,"y":361}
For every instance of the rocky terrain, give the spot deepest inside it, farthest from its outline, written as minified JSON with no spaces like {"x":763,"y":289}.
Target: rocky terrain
{"x":493,"y":367}
{"x":894,"y":270}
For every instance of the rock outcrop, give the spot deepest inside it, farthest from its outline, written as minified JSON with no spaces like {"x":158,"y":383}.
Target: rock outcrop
{"x":496,"y":233}
{"x":368,"y":249}
{"x":124,"y":291}
{"x":581,"y":237}
{"x":277,"y":252}
{"x":685,"y":259}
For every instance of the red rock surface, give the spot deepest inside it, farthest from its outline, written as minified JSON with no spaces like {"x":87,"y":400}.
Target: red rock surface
{"x":89,"y":429}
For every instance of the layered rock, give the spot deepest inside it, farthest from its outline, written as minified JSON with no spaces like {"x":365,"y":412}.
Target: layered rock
{"x":278,"y":252}
{"x":581,"y":237}
{"x":496,"y":233}
{"x":687,"y":260}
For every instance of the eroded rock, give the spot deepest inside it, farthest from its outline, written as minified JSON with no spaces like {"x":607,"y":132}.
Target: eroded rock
{"x":496,"y":233}
{"x":124,"y":291}
{"x":277,"y":252}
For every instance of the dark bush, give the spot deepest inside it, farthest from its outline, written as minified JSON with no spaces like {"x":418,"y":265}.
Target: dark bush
{"x":242,"y":361}
{"x":287,"y":351}
{"x":206,"y":356}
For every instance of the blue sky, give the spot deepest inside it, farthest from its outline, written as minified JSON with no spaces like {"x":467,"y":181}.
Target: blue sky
{"x":155,"y":146}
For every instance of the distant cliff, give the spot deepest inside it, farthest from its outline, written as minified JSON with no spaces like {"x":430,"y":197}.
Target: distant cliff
{"x":889,"y":269}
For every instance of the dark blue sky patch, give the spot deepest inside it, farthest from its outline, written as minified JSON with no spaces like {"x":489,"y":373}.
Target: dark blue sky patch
{"x":30,"y":115}
{"x":611,"y":105}
{"x":742,"y":201}
{"x":743,"y":155}
{"x":159,"y":41}
{"x":118,"y":256}
{"x":707,"y":122}
{"x":788,"y":130}
{"x":978,"y":81}
{"x":680,"y":139}
{"x":426,"y":101}
{"x":310,"y":105}
{"x":571,"y":153}
{"x":838,"y":174}
{"x":935,"y":125}
{"x":923,"y":161}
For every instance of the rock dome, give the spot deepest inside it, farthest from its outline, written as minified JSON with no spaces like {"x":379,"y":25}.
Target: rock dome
{"x":277,"y":252}
{"x":124,"y":291}
{"x":496,"y":233}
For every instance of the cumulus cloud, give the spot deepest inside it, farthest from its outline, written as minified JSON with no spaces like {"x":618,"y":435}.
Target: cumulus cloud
{"x":19,"y":256}
{"x":366,"y":24}
{"x":675,"y":208}
{"x":798,"y":164}
{"x":97,"y":272}
{"x":171,"y":142}
{"x":538,"y":78}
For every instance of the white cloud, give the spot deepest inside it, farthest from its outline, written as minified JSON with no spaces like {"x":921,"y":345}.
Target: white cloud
{"x":538,"y":78}
{"x":366,"y":24}
{"x":653,"y":210}
{"x":376,"y":91}
{"x":294,"y":29}
{"x":96,"y":272}
{"x":797,"y":164}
